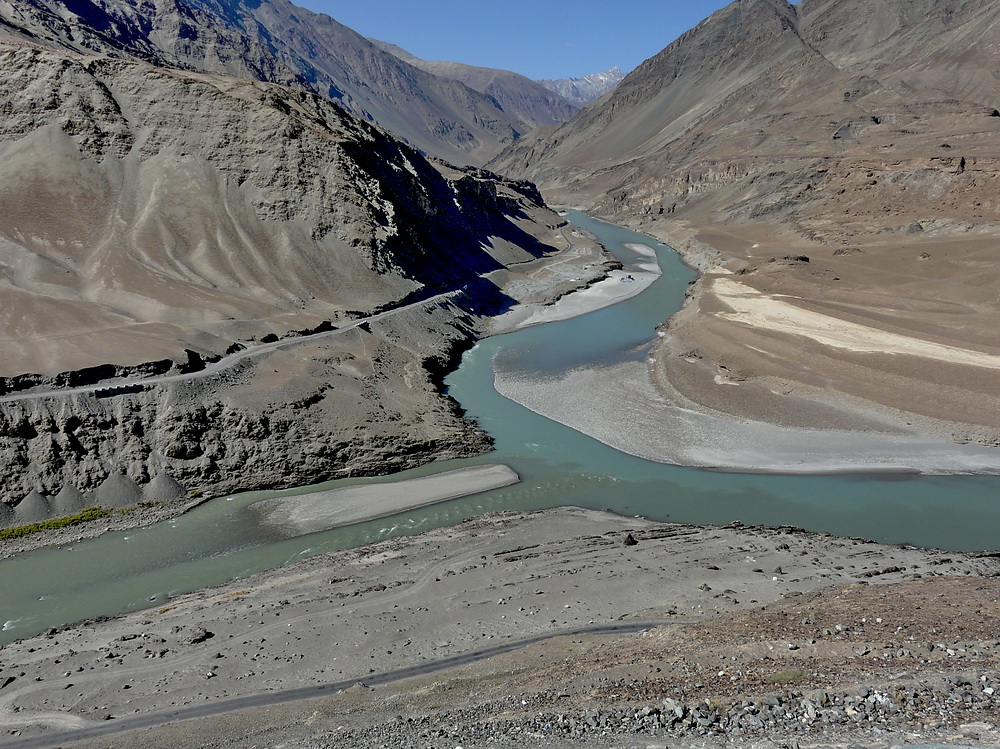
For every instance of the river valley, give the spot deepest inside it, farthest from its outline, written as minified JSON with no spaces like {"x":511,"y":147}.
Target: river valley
{"x":222,"y":540}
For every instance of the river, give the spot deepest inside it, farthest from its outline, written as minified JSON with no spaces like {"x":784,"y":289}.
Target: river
{"x":220,"y":541}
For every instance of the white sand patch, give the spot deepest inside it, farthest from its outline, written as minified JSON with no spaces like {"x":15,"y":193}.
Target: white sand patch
{"x":644,"y":250}
{"x":620,"y":285}
{"x":752,"y":307}
{"x":318,"y":511}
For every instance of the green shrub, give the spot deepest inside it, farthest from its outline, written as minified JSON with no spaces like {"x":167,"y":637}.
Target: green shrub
{"x":91,"y":513}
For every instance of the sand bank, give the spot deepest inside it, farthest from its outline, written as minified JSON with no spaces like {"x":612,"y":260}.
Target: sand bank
{"x":621,"y":407}
{"x":632,"y":279}
{"x":300,"y":514}
{"x":775,"y":313}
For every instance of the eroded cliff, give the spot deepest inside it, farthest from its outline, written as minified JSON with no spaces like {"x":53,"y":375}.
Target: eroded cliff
{"x":153,"y":222}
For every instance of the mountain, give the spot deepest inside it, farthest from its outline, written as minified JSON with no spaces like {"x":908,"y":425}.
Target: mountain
{"x":582,"y":91}
{"x":277,"y":42}
{"x":838,"y":156}
{"x":137,"y":196}
{"x":533,"y":104}
{"x":156,"y":221}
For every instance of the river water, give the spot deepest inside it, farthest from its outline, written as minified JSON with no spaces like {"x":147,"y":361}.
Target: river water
{"x":220,"y":541}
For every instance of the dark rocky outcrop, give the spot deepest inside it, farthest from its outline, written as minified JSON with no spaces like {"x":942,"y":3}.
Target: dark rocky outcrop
{"x":164,"y":219}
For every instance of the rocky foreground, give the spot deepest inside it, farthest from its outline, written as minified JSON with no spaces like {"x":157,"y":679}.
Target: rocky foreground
{"x":753,"y":635}
{"x":815,"y":686}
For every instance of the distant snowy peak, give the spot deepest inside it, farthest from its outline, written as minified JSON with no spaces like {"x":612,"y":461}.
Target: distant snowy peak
{"x":582,"y":91}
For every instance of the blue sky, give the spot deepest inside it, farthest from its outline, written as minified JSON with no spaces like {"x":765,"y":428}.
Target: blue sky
{"x":537,"y":38}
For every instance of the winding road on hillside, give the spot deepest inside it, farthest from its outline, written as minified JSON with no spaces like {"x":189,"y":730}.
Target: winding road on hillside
{"x":230,"y":360}
{"x":226,"y":362}
{"x":267,"y":699}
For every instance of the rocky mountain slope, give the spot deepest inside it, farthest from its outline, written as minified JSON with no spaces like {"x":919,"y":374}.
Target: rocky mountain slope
{"x":278,"y":42}
{"x":154,"y":220}
{"x":532,"y":103}
{"x":581,"y":91}
{"x":841,"y":159}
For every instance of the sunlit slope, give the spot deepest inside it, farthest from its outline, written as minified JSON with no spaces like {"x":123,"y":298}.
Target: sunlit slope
{"x":842,"y":157}
{"x":278,"y":42}
{"x":143,"y":211}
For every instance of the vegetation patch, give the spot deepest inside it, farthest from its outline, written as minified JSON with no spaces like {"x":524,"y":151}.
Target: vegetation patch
{"x":91,"y":513}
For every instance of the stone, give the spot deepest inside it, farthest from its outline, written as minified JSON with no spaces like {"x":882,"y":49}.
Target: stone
{"x":198,"y":636}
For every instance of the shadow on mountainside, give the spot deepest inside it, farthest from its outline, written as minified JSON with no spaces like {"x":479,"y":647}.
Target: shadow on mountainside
{"x":442,"y":230}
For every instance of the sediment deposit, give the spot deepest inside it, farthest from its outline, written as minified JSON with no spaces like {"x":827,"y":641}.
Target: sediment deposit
{"x":747,"y":619}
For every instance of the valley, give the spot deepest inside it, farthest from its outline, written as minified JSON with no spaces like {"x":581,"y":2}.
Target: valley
{"x":838,"y":162}
{"x":378,"y":432}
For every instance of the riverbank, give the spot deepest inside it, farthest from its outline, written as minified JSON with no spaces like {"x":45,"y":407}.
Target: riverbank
{"x":618,"y":285}
{"x":621,"y":406}
{"x":879,"y":336}
{"x":292,"y":410}
{"x":684,"y":407}
{"x":412,"y":600}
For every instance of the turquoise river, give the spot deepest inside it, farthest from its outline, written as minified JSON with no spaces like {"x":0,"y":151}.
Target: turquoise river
{"x":221,"y":541}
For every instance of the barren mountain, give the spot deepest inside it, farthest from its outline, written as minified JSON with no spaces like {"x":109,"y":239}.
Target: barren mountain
{"x":833,"y":168}
{"x":582,"y":91}
{"x":532,"y":103}
{"x":153,"y":220}
{"x":278,"y":42}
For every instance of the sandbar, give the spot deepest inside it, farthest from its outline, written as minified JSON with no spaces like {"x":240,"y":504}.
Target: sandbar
{"x":620,"y":406}
{"x":631,"y":280}
{"x":299,"y":514}
{"x":774,"y":312}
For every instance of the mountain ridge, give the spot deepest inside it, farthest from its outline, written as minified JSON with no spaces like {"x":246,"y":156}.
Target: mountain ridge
{"x":533,"y":104}
{"x":585,"y":89}
{"x":275,"y":41}
{"x":153,"y":219}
